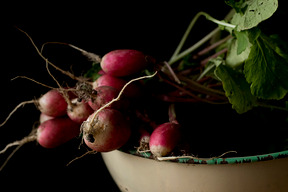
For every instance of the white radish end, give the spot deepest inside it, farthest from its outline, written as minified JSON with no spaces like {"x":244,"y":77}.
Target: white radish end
{"x":164,"y":139}
{"x":43,"y":117}
{"x":159,"y":150}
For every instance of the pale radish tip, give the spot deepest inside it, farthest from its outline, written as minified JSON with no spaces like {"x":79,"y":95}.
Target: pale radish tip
{"x":159,"y":150}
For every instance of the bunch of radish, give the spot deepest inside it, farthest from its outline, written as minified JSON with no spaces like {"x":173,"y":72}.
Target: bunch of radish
{"x":109,"y":128}
{"x":116,"y":108}
{"x":65,"y":113}
{"x":117,"y":65}
{"x":102,"y":113}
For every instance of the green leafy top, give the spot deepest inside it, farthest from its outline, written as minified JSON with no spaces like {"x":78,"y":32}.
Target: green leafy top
{"x":255,"y":68}
{"x":262,"y":59}
{"x":266,"y":68}
{"x":250,"y":13}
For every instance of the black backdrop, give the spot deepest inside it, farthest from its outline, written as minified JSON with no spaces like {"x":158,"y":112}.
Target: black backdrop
{"x":96,"y":27}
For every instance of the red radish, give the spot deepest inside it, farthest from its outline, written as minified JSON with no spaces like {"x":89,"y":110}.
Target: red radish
{"x":57,"y":131}
{"x":124,"y":62}
{"x":164,"y":139}
{"x":52,"y":104}
{"x":108,"y":131}
{"x":103,"y":95}
{"x":51,"y":133}
{"x":132,"y":90}
{"x":109,"y":80}
{"x":79,"y":111}
{"x":44,"y":117}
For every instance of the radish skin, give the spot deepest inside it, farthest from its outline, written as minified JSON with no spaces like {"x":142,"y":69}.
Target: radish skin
{"x":104,"y":94}
{"x":109,"y":80}
{"x":164,"y":139}
{"x":55,"y":132}
{"x":79,"y":111}
{"x":124,"y":62}
{"x":52,"y":104}
{"x":132,"y":91}
{"x":109,"y":130}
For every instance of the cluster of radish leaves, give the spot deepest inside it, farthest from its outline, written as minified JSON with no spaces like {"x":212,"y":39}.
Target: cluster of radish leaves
{"x":256,"y":67}
{"x":254,"y":70}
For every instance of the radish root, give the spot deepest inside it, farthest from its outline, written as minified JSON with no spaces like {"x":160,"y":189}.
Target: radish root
{"x":62,"y":91}
{"x":192,"y":157}
{"x":31,"y":137}
{"x":24,"y":77}
{"x":27,"y":139}
{"x":15,"y":109}
{"x":72,"y":76}
{"x":91,"y":56}
{"x":76,"y":158}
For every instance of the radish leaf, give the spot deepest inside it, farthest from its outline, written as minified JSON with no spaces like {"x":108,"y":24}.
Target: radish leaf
{"x":266,"y":67}
{"x":236,"y":88}
{"x":250,"y":13}
{"x":93,"y":72}
{"x":242,"y":41}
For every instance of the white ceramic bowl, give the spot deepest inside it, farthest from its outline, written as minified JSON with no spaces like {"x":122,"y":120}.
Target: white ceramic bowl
{"x":262,"y":173}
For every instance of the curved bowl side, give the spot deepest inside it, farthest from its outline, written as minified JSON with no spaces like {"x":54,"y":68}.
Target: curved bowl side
{"x":137,"y":174}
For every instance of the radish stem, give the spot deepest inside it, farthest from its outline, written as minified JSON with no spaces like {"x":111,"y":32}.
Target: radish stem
{"x":222,"y":23}
{"x":176,"y":56}
{"x":187,"y":32}
{"x":214,"y":45}
{"x":203,"y":63}
{"x":172,"y":114}
{"x":194,"y":47}
{"x":172,"y":72}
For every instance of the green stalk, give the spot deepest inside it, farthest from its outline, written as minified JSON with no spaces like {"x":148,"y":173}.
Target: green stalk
{"x":176,"y":56}
{"x":187,"y":32}
{"x":193,"y":47}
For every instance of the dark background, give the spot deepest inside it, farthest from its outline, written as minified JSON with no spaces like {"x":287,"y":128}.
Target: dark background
{"x":95,"y":27}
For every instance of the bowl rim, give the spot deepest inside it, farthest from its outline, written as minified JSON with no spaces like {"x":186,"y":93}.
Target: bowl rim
{"x":214,"y":160}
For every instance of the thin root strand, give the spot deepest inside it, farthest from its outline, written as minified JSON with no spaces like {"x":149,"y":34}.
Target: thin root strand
{"x":9,"y":157}
{"x":27,"y":139}
{"x":192,"y":157}
{"x":31,"y":137}
{"x":24,"y":77}
{"x":76,"y":158}
{"x":91,"y":56}
{"x":72,"y":76}
{"x":15,"y":109}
